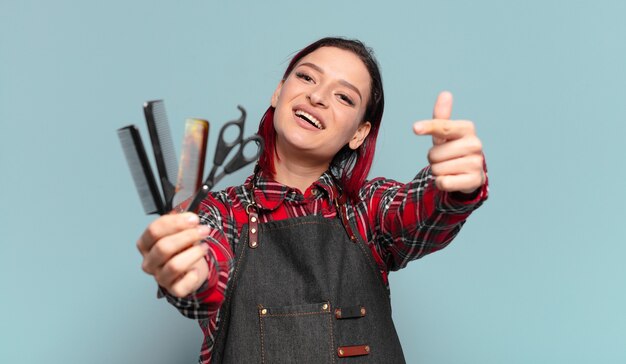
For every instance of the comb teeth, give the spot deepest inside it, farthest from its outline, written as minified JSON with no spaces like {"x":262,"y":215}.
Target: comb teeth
{"x":163,"y":147}
{"x":167,"y":143}
{"x":191,"y":166}
{"x":137,"y":161}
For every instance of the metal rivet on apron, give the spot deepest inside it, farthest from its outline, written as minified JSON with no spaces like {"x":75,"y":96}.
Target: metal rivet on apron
{"x":340,"y":352}
{"x":325,"y":306}
{"x":362,"y":311}
{"x":338,"y":313}
{"x":367,"y":348}
{"x":264,"y":311}
{"x":253,"y":219}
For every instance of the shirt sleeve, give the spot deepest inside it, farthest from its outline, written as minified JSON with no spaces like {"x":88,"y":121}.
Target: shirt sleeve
{"x":198,"y":304}
{"x":408,"y":221}
{"x":205,"y":302}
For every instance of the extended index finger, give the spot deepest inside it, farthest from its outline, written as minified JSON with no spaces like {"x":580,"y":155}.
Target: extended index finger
{"x":164,"y":226}
{"x":444,"y":129}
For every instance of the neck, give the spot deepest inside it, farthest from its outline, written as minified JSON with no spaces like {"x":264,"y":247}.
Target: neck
{"x":296,"y":174}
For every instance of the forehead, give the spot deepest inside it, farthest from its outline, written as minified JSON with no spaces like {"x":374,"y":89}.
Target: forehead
{"x":340,"y":64}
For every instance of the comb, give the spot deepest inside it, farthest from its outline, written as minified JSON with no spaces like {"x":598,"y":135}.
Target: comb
{"x":191,"y":166}
{"x":163,"y":148}
{"x":140,"y":169}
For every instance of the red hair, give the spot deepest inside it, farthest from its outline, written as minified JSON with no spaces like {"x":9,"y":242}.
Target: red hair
{"x":350,"y":167}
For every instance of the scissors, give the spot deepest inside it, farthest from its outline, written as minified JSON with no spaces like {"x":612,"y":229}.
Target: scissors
{"x":222,"y":150}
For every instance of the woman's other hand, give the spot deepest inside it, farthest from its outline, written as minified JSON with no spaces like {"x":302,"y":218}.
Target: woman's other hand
{"x":173,"y":254}
{"x":456,"y":158}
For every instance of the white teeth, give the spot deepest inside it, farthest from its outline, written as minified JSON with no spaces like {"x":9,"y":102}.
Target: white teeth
{"x":310,"y":118}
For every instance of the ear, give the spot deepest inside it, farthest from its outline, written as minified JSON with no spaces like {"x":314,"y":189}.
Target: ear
{"x":274,"y":100}
{"x":359,"y":136}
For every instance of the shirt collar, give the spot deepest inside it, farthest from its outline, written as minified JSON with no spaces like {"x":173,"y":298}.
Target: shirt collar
{"x":269,"y":194}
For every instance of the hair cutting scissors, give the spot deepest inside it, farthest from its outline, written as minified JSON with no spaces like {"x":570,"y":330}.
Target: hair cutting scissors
{"x":223,"y":149}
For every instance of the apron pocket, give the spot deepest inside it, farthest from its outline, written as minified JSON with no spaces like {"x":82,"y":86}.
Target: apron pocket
{"x":296,"y":334}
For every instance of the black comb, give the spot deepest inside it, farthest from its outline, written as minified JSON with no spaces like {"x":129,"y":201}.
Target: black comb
{"x":163,"y":148}
{"x":140,"y":169}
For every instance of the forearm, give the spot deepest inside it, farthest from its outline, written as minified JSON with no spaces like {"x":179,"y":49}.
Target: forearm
{"x":416,"y":219}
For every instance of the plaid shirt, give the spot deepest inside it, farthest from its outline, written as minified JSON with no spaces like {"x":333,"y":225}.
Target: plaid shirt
{"x":399,"y":222}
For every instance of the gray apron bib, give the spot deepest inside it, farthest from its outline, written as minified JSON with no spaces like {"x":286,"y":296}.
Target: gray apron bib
{"x":304,"y":291}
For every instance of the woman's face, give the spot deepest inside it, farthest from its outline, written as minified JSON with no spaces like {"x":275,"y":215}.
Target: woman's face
{"x":321,"y":104}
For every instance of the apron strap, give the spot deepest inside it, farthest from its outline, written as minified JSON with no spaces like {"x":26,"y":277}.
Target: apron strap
{"x":253,"y":213}
{"x":342,"y":210}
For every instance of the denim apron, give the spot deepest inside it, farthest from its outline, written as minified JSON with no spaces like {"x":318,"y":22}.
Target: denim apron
{"x":305,"y":290}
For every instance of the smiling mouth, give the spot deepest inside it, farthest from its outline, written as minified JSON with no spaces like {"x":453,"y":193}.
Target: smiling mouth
{"x":309,"y":119}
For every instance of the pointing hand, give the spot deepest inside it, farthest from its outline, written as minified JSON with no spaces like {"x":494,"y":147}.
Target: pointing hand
{"x":456,"y":158}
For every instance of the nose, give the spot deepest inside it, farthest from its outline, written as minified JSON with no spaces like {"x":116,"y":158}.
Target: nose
{"x":318,"y":97}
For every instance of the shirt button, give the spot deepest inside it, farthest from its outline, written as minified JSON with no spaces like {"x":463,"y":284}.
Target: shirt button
{"x":314,"y":192}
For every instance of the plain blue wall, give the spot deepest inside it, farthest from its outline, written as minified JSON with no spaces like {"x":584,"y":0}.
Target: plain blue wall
{"x":536,"y":276}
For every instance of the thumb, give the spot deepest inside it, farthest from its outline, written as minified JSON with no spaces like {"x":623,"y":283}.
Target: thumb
{"x":443,"y":106}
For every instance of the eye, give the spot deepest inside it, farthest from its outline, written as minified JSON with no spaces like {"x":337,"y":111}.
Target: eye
{"x":304,"y":76}
{"x":346,"y":99}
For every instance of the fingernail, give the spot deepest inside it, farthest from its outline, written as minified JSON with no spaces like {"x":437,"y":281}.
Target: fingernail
{"x":418,"y":127}
{"x":192,"y":218}
{"x":203,"y":230}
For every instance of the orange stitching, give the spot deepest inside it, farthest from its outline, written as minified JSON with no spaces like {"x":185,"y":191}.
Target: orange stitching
{"x":332,"y":222}
{"x":295,"y":314}
{"x":332,"y":341}
{"x":262,"y":340}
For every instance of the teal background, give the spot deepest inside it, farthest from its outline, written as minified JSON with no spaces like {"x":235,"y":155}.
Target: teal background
{"x":536,"y":276}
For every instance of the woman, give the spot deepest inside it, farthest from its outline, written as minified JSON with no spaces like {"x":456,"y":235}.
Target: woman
{"x":292,"y":266}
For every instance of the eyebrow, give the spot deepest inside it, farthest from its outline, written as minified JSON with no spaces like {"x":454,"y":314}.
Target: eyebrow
{"x":341,"y":81}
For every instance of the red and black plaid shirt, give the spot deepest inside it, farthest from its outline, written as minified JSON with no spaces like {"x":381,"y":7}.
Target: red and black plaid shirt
{"x":399,"y":222}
